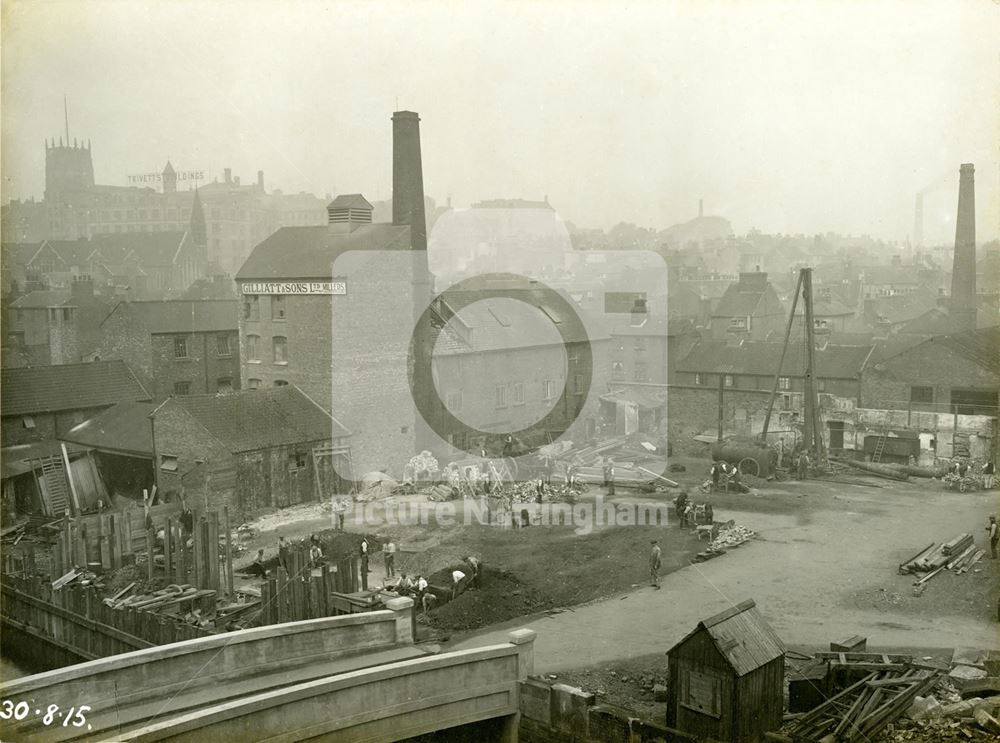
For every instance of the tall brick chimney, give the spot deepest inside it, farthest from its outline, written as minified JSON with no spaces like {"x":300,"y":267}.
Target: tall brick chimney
{"x":963,"y":271}
{"x":408,"y":178}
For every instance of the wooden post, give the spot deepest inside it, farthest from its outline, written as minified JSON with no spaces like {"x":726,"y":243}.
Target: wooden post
{"x":69,"y":478}
{"x":229,"y":552}
{"x":105,"y":545}
{"x":199,"y":580}
{"x":213,"y":551}
{"x":168,"y":547}
{"x":149,"y":554}
{"x":722,"y":382}
{"x":781,"y":360}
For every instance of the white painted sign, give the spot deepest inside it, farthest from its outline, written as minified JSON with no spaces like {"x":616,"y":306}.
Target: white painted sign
{"x":294,"y":287}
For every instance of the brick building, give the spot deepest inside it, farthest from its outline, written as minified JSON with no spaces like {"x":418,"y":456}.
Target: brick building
{"x":176,"y":347}
{"x":250,"y":450}
{"x":749,"y":309}
{"x":46,"y":402}
{"x":238,"y":215}
{"x":331,"y":309}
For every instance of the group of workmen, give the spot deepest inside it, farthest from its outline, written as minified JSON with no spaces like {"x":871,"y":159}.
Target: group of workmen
{"x":417,"y":587}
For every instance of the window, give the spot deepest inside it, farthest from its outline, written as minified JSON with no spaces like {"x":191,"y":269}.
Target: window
{"x":454,"y":401}
{"x":278,"y":344}
{"x":578,"y":384}
{"x":280,"y":383}
{"x":640,"y":344}
{"x":701,"y":691}
{"x":618,"y":371}
{"x":251,"y":307}
{"x":699,"y":379}
{"x":168,"y":463}
{"x":639,"y":372}
{"x":253,"y":384}
{"x":728,"y":381}
{"x":66,"y":314}
{"x":180,"y":347}
{"x":296,"y":461}
{"x":253,"y":348}
{"x":182,"y":388}
{"x":737,"y":323}
{"x":222,"y":345}
{"x":277,"y":307}
{"x":784,"y":383}
{"x":224,"y":384}
{"x":921,"y":394}
{"x":518,"y":393}
{"x":501,"y":396}
{"x":28,"y":422}
{"x":549,"y":389}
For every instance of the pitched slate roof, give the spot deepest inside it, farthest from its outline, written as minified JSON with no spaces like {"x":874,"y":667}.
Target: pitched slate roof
{"x":752,"y":294}
{"x":42,"y":298}
{"x":759,"y":358}
{"x":741,"y":636}
{"x":123,"y":428}
{"x":183,"y":315}
{"x":938,"y":321}
{"x":47,"y":389}
{"x":496,"y":323}
{"x":350,"y":201}
{"x":18,"y":254}
{"x":309,"y":252}
{"x":259,"y":419}
{"x":151,"y":248}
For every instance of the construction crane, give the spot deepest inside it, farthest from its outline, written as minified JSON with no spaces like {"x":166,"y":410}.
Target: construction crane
{"x":812,"y":427}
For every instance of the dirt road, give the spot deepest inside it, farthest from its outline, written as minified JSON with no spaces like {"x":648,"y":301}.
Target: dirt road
{"x":825,"y":555}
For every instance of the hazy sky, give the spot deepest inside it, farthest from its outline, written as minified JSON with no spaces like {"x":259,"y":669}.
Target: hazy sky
{"x":785,"y":116}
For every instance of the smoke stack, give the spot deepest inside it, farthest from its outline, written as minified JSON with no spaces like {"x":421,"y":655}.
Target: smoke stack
{"x":228,"y":172}
{"x":918,"y":222}
{"x":260,"y":180}
{"x":701,"y":208}
{"x":407,"y":177}
{"x":963,"y":271}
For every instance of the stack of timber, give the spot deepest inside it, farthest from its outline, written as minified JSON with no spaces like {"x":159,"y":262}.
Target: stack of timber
{"x":863,"y":709}
{"x":958,"y":555}
{"x":75,"y":618}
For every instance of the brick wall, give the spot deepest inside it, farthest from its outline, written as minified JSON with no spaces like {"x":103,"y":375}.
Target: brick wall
{"x":693,"y":410}
{"x":123,"y":337}
{"x":201,"y":369}
{"x":176,"y":434}
{"x":64,"y":340}
{"x":47,"y":425}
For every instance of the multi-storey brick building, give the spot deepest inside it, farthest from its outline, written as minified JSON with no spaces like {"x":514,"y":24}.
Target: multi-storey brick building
{"x":749,"y":309}
{"x":178,"y":347}
{"x":331,"y":310}
{"x":238,"y":216}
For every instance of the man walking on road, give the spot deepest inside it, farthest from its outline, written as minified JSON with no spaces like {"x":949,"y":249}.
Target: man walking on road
{"x":654,"y":564}
{"x":994,"y":536}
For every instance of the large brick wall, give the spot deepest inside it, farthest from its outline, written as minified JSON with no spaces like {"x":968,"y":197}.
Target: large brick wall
{"x":926,"y":365}
{"x":694,"y":410}
{"x":123,"y":337}
{"x":176,"y":434}
{"x":201,"y":369}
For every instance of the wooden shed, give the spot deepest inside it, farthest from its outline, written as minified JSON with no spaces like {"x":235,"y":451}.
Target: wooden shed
{"x":726,"y":678}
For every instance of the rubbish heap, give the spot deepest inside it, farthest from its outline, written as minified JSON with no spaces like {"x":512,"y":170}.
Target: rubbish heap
{"x":841,"y":697}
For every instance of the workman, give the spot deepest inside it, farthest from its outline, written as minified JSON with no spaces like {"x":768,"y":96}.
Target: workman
{"x":803,"y":466}
{"x":715,"y":476}
{"x":363,"y":552}
{"x":283,"y":548}
{"x":257,"y":567}
{"x":994,"y":536}
{"x":989,"y":472}
{"x":476,"y":567}
{"x":457,"y":576}
{"x":390,"y":558}
{"x":654,"y":564}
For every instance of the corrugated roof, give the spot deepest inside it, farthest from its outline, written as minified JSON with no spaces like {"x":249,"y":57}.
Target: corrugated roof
{"x":183,"y":315}
{"x":760,"y":358}
{"x":742,"y":636}
{"x":309,"y":252}
{"x":259,"y":419}
{"x":46,"y":389}
{"x":123,"y":428}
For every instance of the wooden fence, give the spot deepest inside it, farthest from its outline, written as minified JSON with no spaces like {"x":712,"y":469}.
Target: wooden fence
{"x":77,"y":620}
{"x":298,"y":594}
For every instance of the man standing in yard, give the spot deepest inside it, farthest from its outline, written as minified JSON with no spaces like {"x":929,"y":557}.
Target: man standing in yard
{"x":283,"y":547}
{"x":994,"y":536}
{"x":803,"y":466}
{"x":989,"y":471}
{"x":390,"y":559}
{"x":654,"y":564}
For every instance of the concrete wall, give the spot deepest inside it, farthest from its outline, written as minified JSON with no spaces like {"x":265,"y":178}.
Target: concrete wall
{"x":391,"y":702}
{"x":159,"y":672}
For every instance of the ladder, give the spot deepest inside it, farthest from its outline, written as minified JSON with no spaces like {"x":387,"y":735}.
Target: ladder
{"x":54,"y":479}
{"x":879,"y":448}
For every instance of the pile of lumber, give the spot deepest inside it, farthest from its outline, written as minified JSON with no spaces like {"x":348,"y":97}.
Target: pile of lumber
{"x":167,"y":600}
{"x":730,"y":535}
{"x":863,"y":709}
{"x":958,"y":555}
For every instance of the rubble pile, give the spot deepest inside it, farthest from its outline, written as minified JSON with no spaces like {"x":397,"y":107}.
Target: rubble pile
{"x":730,"y":535}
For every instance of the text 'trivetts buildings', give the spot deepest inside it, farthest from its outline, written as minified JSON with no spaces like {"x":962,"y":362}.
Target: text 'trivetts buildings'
{"x":331,"y":309}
